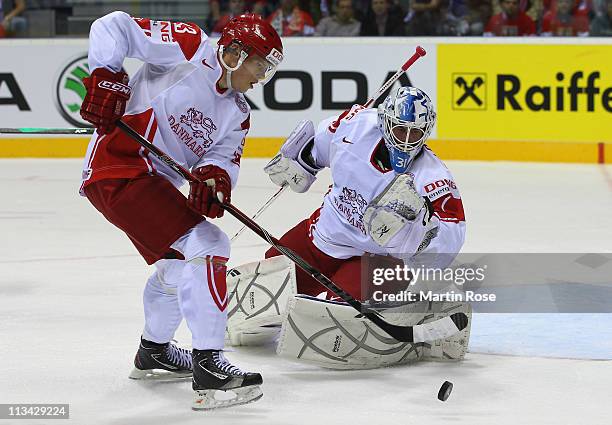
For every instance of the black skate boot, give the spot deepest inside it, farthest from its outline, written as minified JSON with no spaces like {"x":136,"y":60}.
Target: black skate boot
{"x":218,"y":383}
{"x":161,"y":361}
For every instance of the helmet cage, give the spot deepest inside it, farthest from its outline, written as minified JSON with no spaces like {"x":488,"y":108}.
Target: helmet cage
{"x":406,"y":119}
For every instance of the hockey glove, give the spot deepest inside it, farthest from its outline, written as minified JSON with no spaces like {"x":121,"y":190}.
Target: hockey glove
{"x":399,"y":217}
{"x":107,"y":95}
{"x":214,"y":186}
{"x":292,"y":165}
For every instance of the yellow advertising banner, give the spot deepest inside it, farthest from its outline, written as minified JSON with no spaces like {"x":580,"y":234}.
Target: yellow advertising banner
{"x":527,"y":92}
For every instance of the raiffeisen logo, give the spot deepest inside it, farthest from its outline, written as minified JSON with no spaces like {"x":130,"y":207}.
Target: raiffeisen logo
{"x":70,"y":91}
{"x":575,"y":92}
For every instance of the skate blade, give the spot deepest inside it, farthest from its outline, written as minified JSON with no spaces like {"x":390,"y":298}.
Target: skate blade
{"x":217,"y":399}
{"x":158,"y":375}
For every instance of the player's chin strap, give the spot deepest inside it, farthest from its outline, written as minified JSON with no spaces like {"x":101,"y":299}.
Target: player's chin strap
{"x":229,"y":69}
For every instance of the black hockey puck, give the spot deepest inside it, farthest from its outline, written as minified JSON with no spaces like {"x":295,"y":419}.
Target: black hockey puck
{"x":445,"y":391}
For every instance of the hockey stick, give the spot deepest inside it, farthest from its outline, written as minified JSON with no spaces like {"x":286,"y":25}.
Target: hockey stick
{"x":34,"y":130}
{"x":261,"y":210}
{"x":417,"y":54}
{"x":438,"y":329}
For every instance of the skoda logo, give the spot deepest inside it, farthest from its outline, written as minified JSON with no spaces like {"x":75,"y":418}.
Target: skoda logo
{"x":70,"y":91}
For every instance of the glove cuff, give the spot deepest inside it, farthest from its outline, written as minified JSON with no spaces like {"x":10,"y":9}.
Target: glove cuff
{"x":103,"y":73}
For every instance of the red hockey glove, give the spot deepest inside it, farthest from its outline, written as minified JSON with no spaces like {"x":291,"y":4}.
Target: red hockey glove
{"x":107,"y":95}
{"x":215,"y":184}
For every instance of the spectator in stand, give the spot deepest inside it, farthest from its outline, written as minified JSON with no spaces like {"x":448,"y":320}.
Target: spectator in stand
{"x":450,"y":24}
{"x":313,"y":8}
{"x":236,"y":8}
{"x":361,"y":8}
{"x":510,"y":21}
{"x":383,"y":19}
{"x":601,"y":26}
{"x":579,"y":7}
{"x":289,"y":20}
{"x":478,"y":14}
{"x":560,"y":21}
{"x":260,"y":7}
{"x":533,"y":8}
{"x":12,"y":22}
{"x":341,"y":23}
{"x":219,"y":8}
{"x":422,"y":19}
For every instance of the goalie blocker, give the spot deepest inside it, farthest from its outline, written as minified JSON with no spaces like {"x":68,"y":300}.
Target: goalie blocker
{"x":264,"y":306}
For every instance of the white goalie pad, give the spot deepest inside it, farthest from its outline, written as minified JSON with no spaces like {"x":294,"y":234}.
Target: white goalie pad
{"x":258,"y":294}
{"x":333,"y":335}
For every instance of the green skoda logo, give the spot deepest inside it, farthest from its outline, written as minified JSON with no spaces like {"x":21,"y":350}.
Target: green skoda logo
{"x":70,"y":91}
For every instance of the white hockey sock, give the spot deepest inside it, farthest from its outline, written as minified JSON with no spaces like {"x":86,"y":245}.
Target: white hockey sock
{"x":203,"y":300}
{"x":161,"y":307}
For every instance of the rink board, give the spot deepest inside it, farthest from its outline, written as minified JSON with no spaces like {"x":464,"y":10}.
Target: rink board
{"x":497,"y":99}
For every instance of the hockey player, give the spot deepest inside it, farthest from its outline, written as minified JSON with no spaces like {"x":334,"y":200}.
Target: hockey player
{"x":187,"y":99}
{"x":391,"y":196}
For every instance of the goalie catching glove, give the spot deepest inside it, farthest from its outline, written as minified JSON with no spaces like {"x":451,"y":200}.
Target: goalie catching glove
{"x":399,"y":217}
{"x":293,"y":165}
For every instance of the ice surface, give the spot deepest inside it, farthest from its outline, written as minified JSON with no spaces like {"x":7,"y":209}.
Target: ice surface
{"x":71,"y":314}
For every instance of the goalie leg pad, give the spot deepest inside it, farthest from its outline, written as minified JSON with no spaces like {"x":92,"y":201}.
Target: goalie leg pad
{"x":258,"y":294}
{"x":333,"y":335}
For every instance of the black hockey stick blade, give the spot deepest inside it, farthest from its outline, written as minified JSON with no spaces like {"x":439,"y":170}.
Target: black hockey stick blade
{"x":460,"y":320}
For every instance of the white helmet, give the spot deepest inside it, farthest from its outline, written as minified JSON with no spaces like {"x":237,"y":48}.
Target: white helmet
{"x":406,"y":119}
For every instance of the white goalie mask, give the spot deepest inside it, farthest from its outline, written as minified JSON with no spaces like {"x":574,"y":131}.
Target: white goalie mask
{"x":406,"y":119}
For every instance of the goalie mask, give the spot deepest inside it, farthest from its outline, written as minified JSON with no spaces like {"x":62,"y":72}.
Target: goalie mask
{"x":406,"y":119}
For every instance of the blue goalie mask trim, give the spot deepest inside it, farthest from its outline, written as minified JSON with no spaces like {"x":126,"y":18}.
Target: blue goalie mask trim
{"x":400,"y":161}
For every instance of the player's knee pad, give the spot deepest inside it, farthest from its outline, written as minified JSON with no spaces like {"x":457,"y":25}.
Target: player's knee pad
{"x":333,"y":335}
{"x":166,"y":277}
{"x":202,"y":240}
{"x":454,"y":347}
{"x":258,"y":295}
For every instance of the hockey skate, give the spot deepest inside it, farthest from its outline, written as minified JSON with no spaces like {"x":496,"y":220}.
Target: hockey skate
{"x":161,"y":362}
{"x":217,"y":383}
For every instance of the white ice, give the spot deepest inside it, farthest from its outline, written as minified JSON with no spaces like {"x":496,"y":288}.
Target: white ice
{"x":71,"y":314}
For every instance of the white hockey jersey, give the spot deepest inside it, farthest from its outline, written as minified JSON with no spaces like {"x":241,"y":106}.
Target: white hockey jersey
{"x":175,"y":102}
{"x":337,"y":228}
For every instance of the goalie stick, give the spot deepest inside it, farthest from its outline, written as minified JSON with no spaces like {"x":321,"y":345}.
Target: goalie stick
{"x":261,"y":210}
{"x":382,"y":89}
{"x":438,"y":329}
